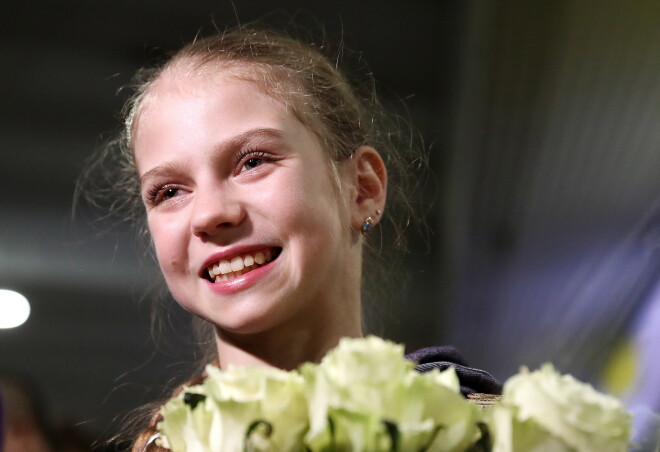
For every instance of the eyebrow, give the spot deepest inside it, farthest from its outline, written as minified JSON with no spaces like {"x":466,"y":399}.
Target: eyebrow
{"x":170,"y":168}
{"x":242,"y":138}
{"x":166,"y":169}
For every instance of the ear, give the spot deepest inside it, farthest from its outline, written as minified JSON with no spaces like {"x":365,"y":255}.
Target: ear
{"x":370,"y":179}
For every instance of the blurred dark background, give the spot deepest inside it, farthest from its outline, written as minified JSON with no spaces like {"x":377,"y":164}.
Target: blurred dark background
{"x":542,"y":123}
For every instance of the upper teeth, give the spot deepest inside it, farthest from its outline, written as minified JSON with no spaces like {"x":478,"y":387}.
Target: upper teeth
{"x":239,"y":263}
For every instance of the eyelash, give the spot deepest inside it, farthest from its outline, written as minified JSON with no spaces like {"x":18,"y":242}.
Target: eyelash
{"x":155,"y":195}
{"x":248,"y":154}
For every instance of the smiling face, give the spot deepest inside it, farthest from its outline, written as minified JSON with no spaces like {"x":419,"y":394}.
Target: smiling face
{"x":250,"y":227}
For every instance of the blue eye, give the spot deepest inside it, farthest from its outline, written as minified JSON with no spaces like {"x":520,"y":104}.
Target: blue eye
{"x":252,"y":163}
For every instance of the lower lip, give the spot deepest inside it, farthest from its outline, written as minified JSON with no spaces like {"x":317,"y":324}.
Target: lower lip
{"x":242,"y":282}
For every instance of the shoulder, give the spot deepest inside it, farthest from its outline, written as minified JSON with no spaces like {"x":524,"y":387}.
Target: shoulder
{"x":472,"y":380}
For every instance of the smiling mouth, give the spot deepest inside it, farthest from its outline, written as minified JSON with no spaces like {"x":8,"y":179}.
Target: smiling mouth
{"x":228,"y":269}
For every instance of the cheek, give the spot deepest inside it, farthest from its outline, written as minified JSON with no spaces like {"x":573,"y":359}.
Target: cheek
{"x":312,"y":207}
{"x":166,"y":242}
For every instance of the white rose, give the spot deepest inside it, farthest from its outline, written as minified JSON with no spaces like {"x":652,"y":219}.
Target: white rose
{"x":546,"y":411}
{"x":364,"y":395}
{"x":262,"y":407}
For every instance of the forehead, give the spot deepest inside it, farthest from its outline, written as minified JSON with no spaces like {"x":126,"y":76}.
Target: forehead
{"x":192,"y":98}
{"x":204,"y":110}
{"x":189,"y":73}
{"x":189,"y":80}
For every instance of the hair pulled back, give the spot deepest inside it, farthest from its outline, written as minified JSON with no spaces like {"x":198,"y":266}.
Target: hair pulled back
{"x":342,"y":116}
{"x":313,"y":89}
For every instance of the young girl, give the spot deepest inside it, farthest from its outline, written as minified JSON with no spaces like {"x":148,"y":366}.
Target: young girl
{"x":261,"y":175}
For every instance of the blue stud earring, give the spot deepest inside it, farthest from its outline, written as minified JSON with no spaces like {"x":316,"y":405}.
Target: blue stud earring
{"x":368,"y":224}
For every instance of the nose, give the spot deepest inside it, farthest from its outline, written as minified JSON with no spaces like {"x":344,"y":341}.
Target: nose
{"x":215,"y":210}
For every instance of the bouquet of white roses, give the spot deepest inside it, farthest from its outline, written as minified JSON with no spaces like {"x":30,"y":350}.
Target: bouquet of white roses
{"x":365,"y":396}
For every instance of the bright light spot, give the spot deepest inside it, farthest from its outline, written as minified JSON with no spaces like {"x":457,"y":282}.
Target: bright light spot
{"x":14,"y":309}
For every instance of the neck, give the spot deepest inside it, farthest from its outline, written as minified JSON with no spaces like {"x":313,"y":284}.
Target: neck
{"x":328,"y":313}
{"x":288,"y":346}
